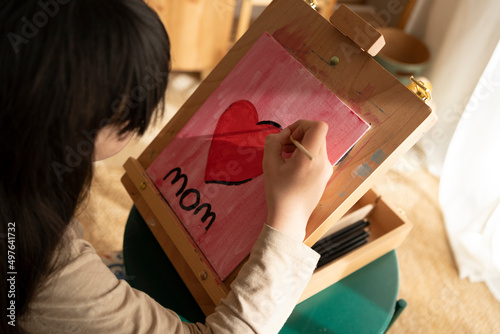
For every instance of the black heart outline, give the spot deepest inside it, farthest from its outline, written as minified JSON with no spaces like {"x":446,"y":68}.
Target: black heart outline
{"x":237,"y":183}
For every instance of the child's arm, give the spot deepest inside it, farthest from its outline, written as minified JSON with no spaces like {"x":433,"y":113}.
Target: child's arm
{"x":280,"y":265}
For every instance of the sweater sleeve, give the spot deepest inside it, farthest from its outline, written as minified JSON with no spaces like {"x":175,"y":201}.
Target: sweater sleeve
{"x":268,"y":286}
{"x":85,"y":297}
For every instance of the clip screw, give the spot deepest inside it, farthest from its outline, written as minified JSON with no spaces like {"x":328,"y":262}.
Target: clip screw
{"x":203,"y":275}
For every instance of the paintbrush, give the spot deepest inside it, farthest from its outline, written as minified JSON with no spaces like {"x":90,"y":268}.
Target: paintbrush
{"x":301,"y":148}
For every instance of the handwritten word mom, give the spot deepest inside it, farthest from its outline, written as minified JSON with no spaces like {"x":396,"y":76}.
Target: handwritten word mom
{"x":185,"y":193}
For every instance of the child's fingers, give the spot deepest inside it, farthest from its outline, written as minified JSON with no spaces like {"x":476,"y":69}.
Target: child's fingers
{"x":311,"y":134}
{"x":274,"y":146}
{"x":289,"y":148}
{"x":298,"y":129}
{"x":315,"y":137}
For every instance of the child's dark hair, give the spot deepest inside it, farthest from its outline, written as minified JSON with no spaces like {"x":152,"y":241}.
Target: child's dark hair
{"x":68,"y":68}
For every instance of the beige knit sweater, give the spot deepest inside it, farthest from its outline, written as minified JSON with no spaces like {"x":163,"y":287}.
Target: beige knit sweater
{"x":85,"y":297}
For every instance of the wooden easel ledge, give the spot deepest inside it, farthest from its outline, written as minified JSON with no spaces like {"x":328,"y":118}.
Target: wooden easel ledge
{"x":358,"y":30}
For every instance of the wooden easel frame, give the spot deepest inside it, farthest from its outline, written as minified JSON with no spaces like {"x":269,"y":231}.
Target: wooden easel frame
{"x":398,"y":119}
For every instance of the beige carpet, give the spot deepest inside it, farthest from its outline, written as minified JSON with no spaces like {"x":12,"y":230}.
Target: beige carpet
{"x":438,"y":302}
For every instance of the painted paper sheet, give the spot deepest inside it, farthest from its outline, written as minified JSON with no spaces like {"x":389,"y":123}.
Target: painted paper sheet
{"x":211,"y":172}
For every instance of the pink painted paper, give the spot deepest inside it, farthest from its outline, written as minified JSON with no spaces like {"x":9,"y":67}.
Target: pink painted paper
{"x":282,"y":91}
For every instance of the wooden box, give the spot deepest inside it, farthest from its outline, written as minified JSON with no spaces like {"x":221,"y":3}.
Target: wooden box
{"x":388,"y":229}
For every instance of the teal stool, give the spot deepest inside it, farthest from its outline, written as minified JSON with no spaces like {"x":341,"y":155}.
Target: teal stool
{"x":363,"y":302}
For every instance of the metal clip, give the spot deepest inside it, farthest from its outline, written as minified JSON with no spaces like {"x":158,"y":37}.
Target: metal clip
{"x":419,"y":88}
{"x":312,"y":3}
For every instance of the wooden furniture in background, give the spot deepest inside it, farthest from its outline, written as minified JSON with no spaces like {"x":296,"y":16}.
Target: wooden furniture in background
{"x":379,"y":13}
{"x":199,"y":31}
{"x":245,"y":15}
{"x":324,"y":7}
{"x":406,"y":13}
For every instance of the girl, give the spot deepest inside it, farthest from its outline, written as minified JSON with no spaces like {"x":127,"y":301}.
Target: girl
{"x":79,"y":79}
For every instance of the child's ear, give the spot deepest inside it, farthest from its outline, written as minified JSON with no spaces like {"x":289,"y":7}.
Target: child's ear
{"x":109,"y":142}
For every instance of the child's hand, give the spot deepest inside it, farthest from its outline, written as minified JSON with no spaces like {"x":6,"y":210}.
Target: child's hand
{"x":294,"y":185}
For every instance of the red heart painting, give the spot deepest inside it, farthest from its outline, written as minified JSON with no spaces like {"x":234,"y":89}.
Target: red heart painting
{"x":237,"y":147}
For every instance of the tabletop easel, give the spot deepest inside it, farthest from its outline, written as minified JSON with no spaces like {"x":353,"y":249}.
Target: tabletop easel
{"x":339,"y":55}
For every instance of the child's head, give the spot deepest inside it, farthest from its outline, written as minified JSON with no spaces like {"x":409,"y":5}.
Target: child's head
{"x":71,"y":68}
{"x":68,"y":69}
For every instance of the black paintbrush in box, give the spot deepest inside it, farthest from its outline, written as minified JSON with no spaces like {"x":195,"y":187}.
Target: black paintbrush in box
{"x":342,"y":242}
